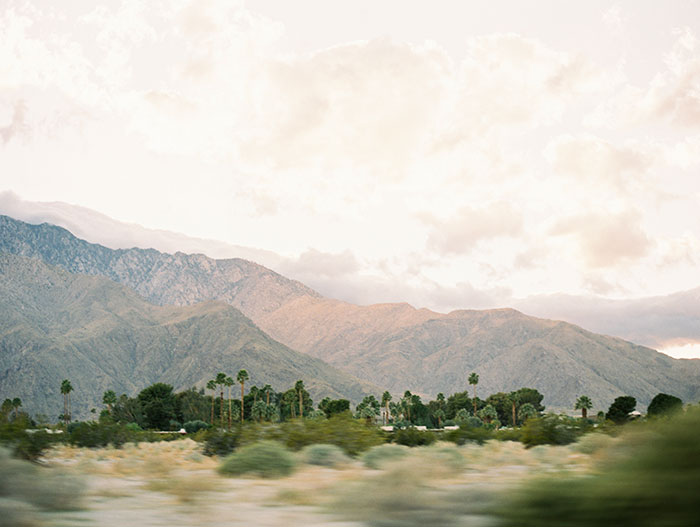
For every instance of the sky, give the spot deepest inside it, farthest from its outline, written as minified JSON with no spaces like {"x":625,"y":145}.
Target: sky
{"x":450,"y":154}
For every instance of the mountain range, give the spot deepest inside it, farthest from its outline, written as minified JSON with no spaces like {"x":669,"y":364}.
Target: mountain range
{"x":103,"y":336}
{"x":394,"y":346}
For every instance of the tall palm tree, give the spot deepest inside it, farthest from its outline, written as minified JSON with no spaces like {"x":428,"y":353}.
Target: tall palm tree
{"x":299,"y":388}
{"x":211,"y":385}
{"x":66,"y":388}
{"x":474,"y":379}
{"x":584,"y":404}
{"x":242,"y":377}
{"x":221,"y":382}
{"x":386,"y":397}
{"x":267,"y":389}
{"x":229,"y":382}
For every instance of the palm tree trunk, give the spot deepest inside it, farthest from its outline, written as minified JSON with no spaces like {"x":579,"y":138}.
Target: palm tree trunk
{"x":221,"y":407}
{"x":242,"y":400}
{"x":229,"y":407}
{"x":211,"y":421}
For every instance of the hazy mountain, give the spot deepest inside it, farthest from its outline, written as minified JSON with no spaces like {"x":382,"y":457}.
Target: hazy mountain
{"x":397,"y":346}
{"x":101,"y":335}
{"x":392,"y":345}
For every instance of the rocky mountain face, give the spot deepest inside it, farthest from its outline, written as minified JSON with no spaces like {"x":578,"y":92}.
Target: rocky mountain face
{"x":394,"y":346}
{"x":102,"y":336}
{"x":166,"y":279}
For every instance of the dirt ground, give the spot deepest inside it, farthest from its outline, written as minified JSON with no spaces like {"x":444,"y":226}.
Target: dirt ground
{"x":172,"y":483}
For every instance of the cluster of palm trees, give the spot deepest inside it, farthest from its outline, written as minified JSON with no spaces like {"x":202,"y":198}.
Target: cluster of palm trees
{"x":11,"y":406}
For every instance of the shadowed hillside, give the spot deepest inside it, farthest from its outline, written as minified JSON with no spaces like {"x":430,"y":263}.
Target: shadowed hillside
{"x":56,"y":325}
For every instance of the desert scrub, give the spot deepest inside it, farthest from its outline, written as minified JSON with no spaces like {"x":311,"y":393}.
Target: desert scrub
{"x":400,"y":497}
{"x":267,"y":459}
{"x":324,"y":455}
{"x":413,"y":437}
{"x":379,"y":455}
{"x":27,"y":489}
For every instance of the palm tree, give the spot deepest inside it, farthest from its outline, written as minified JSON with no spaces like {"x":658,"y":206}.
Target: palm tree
{"x":386,"y":397}
{"x":242,"y":377}
{"x":211,"y":385}
{"x":514,"y":398}
{"x":66,"y":388}
{"x":474,"y":379}
{"x":16,"y":403}
{"x":221,"y":382}
{"x":267,"y":389}
{"x":259,"y":410}
{"x":527,"y":411}
{"x":299,"y":388}
{"x":584,"y":404}
{"x":229,"y":382}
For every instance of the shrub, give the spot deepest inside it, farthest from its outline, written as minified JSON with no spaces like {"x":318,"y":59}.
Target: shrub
{"x":552,"y":429}
{"x":352,"y":435}
{"x":468,"y":435}
{"x":324,"y":455}
{"x":267,"y":459}
{"x":26,"y":489}
{"x":192,"y":427}
{"x":664,"y":405}
{"x":375,"y":457}
{"x":92,"y":435}
{"x":413,"y":437}
{"x":653,"y":481}
{"x":220,"y":443}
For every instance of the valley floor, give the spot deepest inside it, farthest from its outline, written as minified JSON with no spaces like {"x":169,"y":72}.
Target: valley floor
{"x":168,"y":484}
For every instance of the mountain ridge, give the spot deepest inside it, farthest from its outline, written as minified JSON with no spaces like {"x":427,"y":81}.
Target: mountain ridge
{"x":393,"y":345}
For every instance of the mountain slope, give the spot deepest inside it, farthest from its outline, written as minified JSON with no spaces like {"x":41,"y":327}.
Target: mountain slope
{"x":176,"y":279}
{"x":392,"y":345}
{"x":101,"y":335}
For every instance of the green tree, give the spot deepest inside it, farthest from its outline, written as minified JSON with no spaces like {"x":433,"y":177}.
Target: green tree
{"x":159,"y":405}
{"x":242,"y":377}
{"x":527,"y":411}
{"x":664,"y":404}
{"x":299,"y":389}
{"x":440,"y":415}
{"x":584,"y":404}
{"x":514,"y":398}
{"x":66,"y":388}
{"x":368,"y":409}
{"x":16,"y":404}
{"x":620,"y":409}
{"x":266,"y":390}
{"x":334,"y":406}
{"x":229,"y":382}
{"x":258,"y":411}
{"x":221,"y":382}
{"x":474,"y":380}
{"x":488,"y":414}
{"x":109,"y":398}
{"x":386,"y":398}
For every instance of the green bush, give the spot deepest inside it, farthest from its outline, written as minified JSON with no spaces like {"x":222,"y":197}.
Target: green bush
{"x":377,"y":456}
{"x":192,"y":427}
{"x":25,"y":443}
{"x":93,"y":435}
{"x":553,"y":429}
{"x":324,"y":455}
{"x":27,"y":489}
{"x":267,"y":459}
{"x":468,"y":434}
{"x":352,"y":435}
{"x":412,"y":437}
{"x":221,"y":443}
{"x":652,"y":480}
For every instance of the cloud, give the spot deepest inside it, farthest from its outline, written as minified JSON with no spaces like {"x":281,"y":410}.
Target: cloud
{"x":672,"y":96}
{"x":606,"y":240}
{"x":592,"y":161}
{"x":460,"y":233}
